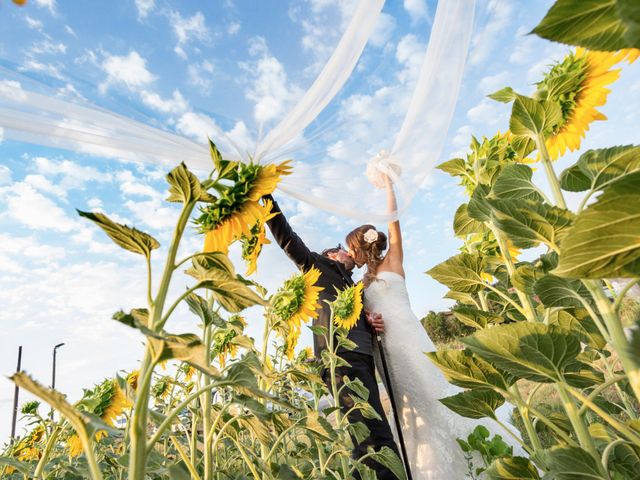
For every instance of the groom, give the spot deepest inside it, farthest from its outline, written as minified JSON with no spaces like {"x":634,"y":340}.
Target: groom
{"x":335,"y":266}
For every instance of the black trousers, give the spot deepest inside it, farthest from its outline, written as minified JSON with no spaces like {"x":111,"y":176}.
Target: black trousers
{"x":362,"y":367}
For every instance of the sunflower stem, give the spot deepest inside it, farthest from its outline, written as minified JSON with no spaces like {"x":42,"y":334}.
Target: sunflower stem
{"x":524,"y":413}
{"x":205,"y":401}
{"x":53,"y":438}
{"x":551,"y":174}
{"x":579,"y":425}
{"x":619,"y":340}
{"x":530,"y":313}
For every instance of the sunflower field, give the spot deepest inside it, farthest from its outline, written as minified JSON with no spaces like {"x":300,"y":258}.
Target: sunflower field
{"x":217,"y":404}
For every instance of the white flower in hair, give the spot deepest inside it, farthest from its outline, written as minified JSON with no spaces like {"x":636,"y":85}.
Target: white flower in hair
{"x":370,"y":235}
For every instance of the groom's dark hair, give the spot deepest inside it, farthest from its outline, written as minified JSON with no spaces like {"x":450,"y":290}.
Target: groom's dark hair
{"x":327,"y":251}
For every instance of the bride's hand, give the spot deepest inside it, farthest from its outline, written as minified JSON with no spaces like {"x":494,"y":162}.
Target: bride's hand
{"x":376,"y":322}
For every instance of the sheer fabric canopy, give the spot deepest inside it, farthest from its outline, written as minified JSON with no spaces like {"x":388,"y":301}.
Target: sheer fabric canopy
{"x":326,"y":180}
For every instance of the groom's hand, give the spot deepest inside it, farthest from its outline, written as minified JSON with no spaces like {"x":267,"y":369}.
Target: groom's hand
{"x":376,"y":322}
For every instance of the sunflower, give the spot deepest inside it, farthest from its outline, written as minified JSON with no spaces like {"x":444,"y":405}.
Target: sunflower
{"x":291,"y":341}
{"x":162,"y":388}
{"x":631,"y":54}
{"x":188,"y":371}
{"x":268,"y":179}
{"x":115,"y":406}
{"x":347,"y":306}
{"x":305,"y":354}
{"x":235,"y":226}
{"x":297,"y":301}
{"x":237,"y":210}
{"x":578,"y":85}
{"x":252,"y":245}
{"x":27,"y":449}
{"x":224,"y":346}
{"x":74,"y":446}
{"x":106,"y":401}
{"x":132,"y":379}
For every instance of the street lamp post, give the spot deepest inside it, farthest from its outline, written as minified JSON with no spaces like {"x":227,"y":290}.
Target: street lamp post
{"x":15,"y":396}
{"x":53,"y":374}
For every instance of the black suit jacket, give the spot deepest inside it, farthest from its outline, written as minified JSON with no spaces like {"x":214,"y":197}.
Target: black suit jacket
{"x":333,"y":276}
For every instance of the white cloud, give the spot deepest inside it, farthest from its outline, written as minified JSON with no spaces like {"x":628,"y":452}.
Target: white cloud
{"x":35,"y":66}
{"x":154,"y":213}
{"x":42,"y":184}
{"x":199,"y":75}
{"x":269,"y":89}
{"x":383,"y":30}
{"x":322,"y":27}
{"x":176,"y":104}
{"x":34,"y":210}
{"x":130,"y":185}
{"x":73,"y":175}
{"x":491,"y":83}
{"x":32,"y":23}
{"x":94,"y":203}
{"x":462,"y":138}
{"x":410,"y":54}
{"x":187,"y":29}
{"x":48,"y":47}
{"x":130,"y":70}
{"x":233,"y":28}
{"x":197,"y":126}
{"x":417,"y":9}
{"x":488,"y":112}
{"x":523,"y":47}
{"x":70,"y":31}
{"x":144,"y":7}
{"x":31,"y":248}
{"x":5,"y":173}
{"x":50,"y":4}
{"x":485,"y":40}
{"x":1,"y":129}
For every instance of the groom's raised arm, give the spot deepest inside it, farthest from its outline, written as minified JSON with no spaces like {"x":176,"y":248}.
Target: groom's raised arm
{"x":288,"y":240}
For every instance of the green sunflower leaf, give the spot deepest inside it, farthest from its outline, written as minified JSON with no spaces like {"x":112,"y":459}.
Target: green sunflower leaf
{"x":531,"y":118}
{"x":597,"y":169}
{"x":514,"y":181}
{"x":594,"y":24}
{"x":184,"y":185}
{"x":474,"y":403}
{"x":568,"y":463}
{"x":504,"y":95}
{"x":464,"y":225}
{"x":512,"y":468}
{"x":555,"y":291}
{"x":604,"y":240}
{"x":126,"y":237}
{"x":463,"y":369}
{"x":455,"y":167}
{"x":532,"y":351}
{"x":460,"y":272}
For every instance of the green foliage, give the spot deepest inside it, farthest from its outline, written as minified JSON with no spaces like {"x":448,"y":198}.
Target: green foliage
{"x":126,"y":237}
{"x":489,"y":449}
{"x":474,"y":403}
{"x":604,"y":240}
{"x":443,"y":329}
{"x":595,"y":24}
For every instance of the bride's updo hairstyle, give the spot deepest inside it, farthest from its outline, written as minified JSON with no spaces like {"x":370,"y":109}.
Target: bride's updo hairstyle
{"x":367,"y":245}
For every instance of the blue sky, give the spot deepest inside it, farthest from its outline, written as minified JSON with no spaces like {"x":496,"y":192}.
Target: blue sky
{"x":177,"y":65}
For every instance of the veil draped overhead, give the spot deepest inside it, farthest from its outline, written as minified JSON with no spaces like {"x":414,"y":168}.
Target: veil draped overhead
{"x":332,"y":177}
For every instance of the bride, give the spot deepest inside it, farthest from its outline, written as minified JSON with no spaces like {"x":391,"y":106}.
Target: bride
{"x":429,"y":428}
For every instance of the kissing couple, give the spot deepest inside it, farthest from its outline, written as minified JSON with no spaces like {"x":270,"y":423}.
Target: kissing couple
{"x":429,"y":429}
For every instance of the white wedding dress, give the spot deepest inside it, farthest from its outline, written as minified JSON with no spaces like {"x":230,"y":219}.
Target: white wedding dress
{"x":429,"y":428}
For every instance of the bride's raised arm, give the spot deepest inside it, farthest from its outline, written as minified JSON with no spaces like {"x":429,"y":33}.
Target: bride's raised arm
{"x":394,"y":257}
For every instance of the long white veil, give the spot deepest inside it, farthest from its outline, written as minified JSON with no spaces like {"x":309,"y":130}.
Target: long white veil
{"x":333,"y":179}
